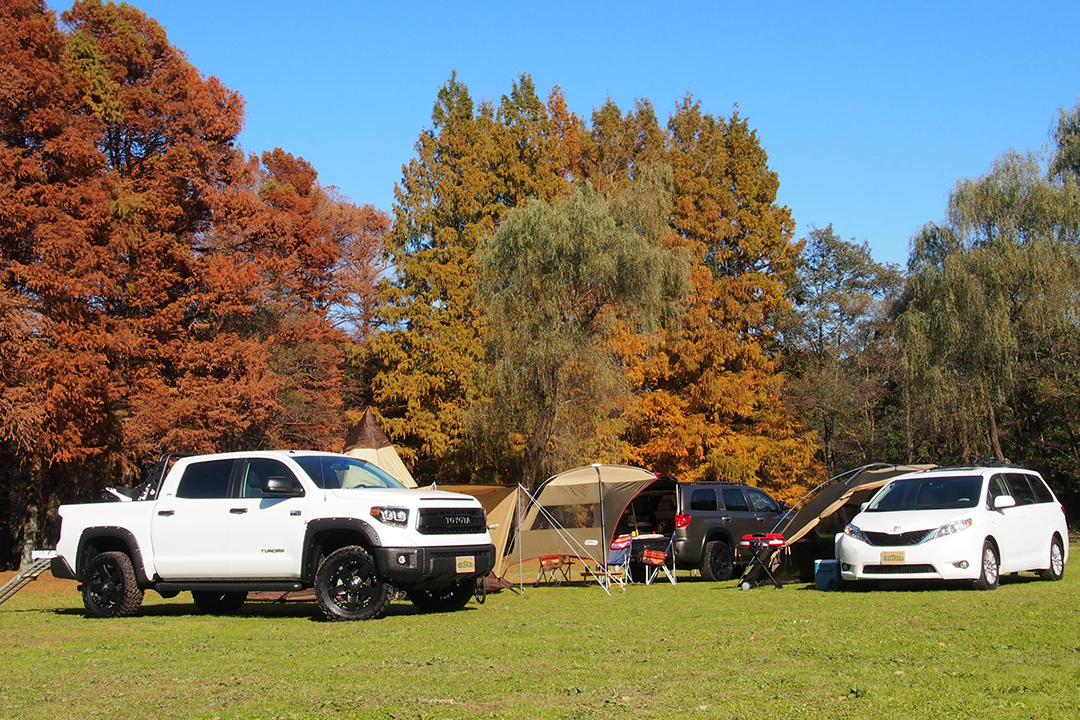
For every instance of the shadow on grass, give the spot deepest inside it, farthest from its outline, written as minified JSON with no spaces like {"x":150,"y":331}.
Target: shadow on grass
{"x":291,"y":609}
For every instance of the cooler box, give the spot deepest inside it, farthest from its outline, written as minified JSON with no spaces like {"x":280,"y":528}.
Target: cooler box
{"x":827,"y":574}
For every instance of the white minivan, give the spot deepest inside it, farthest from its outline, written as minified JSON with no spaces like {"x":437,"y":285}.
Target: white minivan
{"x":965,"y":523}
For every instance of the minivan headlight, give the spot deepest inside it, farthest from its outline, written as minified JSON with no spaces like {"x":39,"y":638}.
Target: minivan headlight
{"x":854,"y":532}
{"x":951,"y":528}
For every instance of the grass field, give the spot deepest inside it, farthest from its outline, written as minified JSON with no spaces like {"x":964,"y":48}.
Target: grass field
{"x":697,"y":649}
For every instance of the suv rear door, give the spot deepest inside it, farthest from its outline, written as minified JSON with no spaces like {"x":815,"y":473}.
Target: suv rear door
{"x":740,"y":518}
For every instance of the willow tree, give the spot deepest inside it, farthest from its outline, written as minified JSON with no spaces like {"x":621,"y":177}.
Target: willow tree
{"x":992,"y":296}
{"x":555,"y":279}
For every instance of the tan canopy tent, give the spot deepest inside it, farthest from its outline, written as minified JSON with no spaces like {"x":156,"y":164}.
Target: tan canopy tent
{"x":577,"y":512}
{"x":367,"y":441}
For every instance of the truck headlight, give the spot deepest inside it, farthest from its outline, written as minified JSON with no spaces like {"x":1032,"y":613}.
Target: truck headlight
{"x":398,"y":517}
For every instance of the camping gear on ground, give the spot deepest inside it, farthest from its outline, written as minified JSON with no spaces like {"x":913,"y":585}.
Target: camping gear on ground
{"x":761,"y":546}
{"x":554,"y":569}
{"x":367,"y":441}
{"x":827,"y":574}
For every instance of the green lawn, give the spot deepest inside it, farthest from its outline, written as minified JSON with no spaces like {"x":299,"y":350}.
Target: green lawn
{"x":702,"y":649}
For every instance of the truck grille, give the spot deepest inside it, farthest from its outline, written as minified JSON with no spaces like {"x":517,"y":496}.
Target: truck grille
{"x":914,"y":537}
{"x":451,"y":521}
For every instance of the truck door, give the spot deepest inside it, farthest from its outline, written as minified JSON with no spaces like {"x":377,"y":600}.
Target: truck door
{"x":190,"y":523}
{"x":266,"y":532}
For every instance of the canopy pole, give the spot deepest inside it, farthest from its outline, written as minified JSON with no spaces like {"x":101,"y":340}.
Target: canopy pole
{"x":604,"y":544}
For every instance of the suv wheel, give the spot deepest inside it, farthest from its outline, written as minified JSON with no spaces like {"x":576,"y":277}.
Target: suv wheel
{"x":110,"y":588}
{"x":348,"y":586}
{"x":218,"y":603}
{"x":718,"y":564}
{"x":445,"y":599}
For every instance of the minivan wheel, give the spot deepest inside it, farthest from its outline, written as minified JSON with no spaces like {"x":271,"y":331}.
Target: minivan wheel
{"x":719,"y":564}
{"x":1056,"y":571}
{"x":988,"y":576}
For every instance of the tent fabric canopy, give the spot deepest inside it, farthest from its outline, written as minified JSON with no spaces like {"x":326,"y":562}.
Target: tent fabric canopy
{"x":585,"y":504}
{"x":367,"y":441}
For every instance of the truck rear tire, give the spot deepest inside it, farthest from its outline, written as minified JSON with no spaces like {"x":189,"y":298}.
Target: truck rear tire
{"x":446,"y":599}
{"x":109,"y":587}
{"x":348,"y":587}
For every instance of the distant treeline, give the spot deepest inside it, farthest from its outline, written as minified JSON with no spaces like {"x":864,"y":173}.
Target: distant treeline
{"x":549,"y":291}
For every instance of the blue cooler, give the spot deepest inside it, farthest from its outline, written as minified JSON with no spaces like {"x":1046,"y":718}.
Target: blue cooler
{"x":827,"y":574}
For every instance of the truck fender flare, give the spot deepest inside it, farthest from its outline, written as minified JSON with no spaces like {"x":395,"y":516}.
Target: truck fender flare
{"x":313,"y":550}
{"x":117,"y":533}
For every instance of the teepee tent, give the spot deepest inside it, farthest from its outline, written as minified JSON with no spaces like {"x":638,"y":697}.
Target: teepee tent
{"x":367,"y":441}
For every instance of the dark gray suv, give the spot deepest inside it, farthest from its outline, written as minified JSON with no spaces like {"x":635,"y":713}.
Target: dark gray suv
{"x":713,"y":517}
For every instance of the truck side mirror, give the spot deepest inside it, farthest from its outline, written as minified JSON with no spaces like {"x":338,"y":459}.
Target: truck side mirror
{"x":281,"y":487}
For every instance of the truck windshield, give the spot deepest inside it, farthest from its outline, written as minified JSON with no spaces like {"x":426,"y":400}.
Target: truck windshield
{"x":332,"y":472}
{"x":931,"y":493}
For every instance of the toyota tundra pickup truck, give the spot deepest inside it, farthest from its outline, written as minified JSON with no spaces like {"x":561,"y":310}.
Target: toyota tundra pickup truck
{"x":223,"y":525}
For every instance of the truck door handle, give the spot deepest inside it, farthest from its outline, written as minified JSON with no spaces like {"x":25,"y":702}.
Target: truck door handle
{"x":238,"y":511}
{"x":166,"y":513}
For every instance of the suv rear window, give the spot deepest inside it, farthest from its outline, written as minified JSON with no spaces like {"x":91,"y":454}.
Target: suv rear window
{"x":703,"y":500}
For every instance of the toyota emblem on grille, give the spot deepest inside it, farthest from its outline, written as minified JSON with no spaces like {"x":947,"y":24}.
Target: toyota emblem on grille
{"x":896,"y":528}
{"x":457,"y":520}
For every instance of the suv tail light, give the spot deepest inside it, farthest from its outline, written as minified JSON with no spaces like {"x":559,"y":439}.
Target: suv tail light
{"x":681,"y":521}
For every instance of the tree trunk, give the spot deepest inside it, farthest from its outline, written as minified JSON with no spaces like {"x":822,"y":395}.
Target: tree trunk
{"x":995,"y":440}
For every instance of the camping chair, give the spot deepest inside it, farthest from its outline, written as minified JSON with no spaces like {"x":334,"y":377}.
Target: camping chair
{"x":761,"y":546}
{"x":617,"y":560}
{"x":656,"y":560}
{"x":554,"y":569}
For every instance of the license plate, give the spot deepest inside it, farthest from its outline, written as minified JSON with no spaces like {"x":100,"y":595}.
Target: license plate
{"x":466,"y":564}
{"x":893,"y":557}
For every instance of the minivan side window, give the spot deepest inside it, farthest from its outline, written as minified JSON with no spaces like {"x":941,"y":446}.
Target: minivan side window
{"x":995,"y":488}
{"x":734,"y":500}
{"x":762,"y":502}
{"x":703,"y":500}
{"x":1020,"y":489}
{"x":1042,"y":492}
{"x":205,"y":480}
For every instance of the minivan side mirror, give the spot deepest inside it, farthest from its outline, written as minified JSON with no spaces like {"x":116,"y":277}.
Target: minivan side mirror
{"x":1004,"y":501}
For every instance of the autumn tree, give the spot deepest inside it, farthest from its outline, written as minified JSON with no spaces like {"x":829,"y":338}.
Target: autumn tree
{"x":554,"y":279}
{"x":471,"y":168}
{"x":709,"y":405}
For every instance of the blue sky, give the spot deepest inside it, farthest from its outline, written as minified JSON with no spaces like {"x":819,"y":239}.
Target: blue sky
{"x":869,"y":111}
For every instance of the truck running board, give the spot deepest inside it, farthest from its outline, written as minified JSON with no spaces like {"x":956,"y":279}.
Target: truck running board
{"x":24,"y":578}
{"x":230,"y":586}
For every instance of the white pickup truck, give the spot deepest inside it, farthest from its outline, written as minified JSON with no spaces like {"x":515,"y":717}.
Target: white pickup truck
{"x":223,"y":525}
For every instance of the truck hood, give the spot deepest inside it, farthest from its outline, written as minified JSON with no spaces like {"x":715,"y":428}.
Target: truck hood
{"x":406,"y":497}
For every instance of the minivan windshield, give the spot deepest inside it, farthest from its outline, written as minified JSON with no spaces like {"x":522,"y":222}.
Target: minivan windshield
{"x":929,"y":493}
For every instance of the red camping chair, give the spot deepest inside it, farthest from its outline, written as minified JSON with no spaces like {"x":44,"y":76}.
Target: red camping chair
{"x":761,"y":547}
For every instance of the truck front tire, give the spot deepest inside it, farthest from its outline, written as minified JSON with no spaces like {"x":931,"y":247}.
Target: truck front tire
{"x":109,"y":586}
{"x":348,"y":586}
